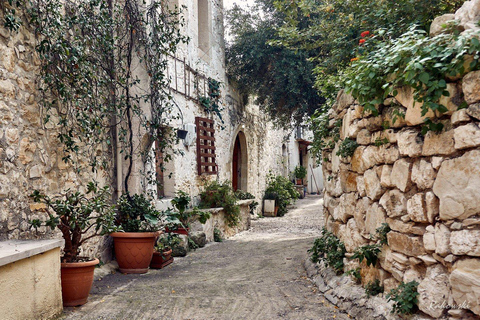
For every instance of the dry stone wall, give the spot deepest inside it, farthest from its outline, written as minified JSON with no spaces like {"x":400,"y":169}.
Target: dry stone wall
{"x":425,"y":187}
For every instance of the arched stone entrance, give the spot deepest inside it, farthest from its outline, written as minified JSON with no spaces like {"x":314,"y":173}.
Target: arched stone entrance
{"x":240,"y":163}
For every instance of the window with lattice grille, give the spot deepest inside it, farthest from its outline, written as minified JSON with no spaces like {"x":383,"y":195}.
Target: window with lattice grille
{"x":205,"y":146}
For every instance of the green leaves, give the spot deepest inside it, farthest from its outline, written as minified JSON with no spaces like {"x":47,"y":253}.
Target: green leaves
{"x":405,"y":298}
{"x":347,"y":148}
{"x":412,"y":60}
{"x":330,"y":249}
{"x":75,"y":213}
{"x":369,"y":253}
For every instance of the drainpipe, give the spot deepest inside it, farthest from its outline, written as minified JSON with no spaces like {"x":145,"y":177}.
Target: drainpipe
{"x":119,"y":162}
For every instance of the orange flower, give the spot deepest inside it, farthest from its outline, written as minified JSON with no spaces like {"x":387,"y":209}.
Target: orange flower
{"x":354,"y":59}
{"x":362,"y":41}
{"x":364,"y":34}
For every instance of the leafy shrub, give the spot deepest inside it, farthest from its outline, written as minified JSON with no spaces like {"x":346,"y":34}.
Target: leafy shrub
{"x":347,"y":148}
{"x":167,"y":241}
{"x":285,"y":192}
{"x":181,"y":203}
{"x":243,"y":195}
{"x":136,"y":214}
{"x":330,"y":249}
{"x":405,"y":298}
{"x":373,"y":288}
{"x":382,"y":233}
{"x":355,"y":273}
{"x":217,"y":195}
{"x":369,"y":253}
{"x":217,"y":235}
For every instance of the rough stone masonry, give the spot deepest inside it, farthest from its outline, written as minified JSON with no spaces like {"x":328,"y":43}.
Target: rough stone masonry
{"x":427,"y":188}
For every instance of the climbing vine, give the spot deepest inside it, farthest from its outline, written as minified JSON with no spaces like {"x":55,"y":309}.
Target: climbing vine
{"x":211,"y":102}
{"x":103,"y":74}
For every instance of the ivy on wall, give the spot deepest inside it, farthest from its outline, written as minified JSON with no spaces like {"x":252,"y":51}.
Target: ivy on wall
{"x":103,"y":73}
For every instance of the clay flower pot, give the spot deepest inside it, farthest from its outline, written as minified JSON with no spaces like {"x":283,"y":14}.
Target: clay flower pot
{"x":161,"y":259}
{"x":134,"y":250}
{"x":77,"y":279}
{"x":178,"y":230}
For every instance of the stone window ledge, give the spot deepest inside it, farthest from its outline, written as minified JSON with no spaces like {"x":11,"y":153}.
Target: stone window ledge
{"x":15,"y":250}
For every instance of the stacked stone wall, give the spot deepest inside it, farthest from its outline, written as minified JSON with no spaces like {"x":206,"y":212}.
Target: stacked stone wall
{"x":426,"y":187}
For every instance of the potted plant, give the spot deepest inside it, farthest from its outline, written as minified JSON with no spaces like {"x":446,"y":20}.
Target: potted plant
{"x":178,"y":221}
{"x":270,"y":207}
{"x":162,"y":256}
{"x":285,"y":190}
{"x":138,"y":221}
{"x":79,"y":217}
{"x":300,"y":173}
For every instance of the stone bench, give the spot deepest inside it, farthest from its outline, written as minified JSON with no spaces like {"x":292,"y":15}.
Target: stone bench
{"x":30,"y":279}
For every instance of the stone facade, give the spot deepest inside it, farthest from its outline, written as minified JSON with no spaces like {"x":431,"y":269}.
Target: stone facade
{"x":30,"y":158}
{"x":425,"y":187}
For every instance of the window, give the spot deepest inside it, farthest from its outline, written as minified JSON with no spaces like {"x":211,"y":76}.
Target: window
{"x":203,"y":26}
{"x":205,"y":146}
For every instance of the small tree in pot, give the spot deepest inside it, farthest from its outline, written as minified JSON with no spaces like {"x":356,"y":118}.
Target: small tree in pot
{"x":80,"y":217}
{"x":300,"y":173}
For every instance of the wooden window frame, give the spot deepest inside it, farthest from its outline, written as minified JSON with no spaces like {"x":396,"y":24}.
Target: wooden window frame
{"x":206,"y":157}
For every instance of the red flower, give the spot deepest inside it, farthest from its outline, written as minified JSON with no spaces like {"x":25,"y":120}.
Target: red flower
{"x":364,"y":34}
{"x":354,"y":59}
{"x":362,"y":41}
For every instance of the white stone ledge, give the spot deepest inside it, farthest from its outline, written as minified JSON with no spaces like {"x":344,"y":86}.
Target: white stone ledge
{"x":241,"y":203}
{"x":15,"y":250}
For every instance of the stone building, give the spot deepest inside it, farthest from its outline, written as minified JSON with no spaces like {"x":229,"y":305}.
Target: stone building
{"x":247,"y":145}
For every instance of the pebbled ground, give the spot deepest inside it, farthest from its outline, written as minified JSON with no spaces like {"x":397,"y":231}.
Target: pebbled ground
{"x":257,"y":274}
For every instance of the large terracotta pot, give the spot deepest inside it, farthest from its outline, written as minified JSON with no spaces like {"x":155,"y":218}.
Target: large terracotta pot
{"x":134,"y":250}
{"x":161,"y":259}
{"x":77,"y":279}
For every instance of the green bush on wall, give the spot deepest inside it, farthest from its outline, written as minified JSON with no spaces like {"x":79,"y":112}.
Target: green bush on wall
{"x":220,"y":194}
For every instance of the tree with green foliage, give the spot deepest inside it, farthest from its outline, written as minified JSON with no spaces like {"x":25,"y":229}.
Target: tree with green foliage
{"x":332,"y":30}
{"x":281,"y":79}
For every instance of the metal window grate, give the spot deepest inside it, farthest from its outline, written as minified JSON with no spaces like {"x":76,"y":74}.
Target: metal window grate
{"x":205,"y":146}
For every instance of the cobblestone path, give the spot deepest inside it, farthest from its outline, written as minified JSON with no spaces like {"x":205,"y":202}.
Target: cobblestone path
{"x":258,"y":274}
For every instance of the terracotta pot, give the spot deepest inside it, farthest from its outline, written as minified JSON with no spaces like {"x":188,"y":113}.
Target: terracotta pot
{"x":134,"y":250}
{"x":299,"y":182}
{"x":276,"y":211}
{"x":161,"y":259}
{"x":77,"y":279}
{"x":178,"y":231}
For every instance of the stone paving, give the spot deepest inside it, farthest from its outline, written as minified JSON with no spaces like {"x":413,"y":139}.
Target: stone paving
{"x":257,"y":274}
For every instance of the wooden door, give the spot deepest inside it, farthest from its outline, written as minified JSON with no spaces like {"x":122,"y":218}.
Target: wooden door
{"x":235,"y":165}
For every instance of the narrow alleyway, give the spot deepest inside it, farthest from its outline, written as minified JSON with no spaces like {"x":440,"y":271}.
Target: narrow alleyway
{"x":258,"y":274}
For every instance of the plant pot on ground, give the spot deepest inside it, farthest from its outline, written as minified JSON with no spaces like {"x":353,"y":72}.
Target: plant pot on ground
{"x":300,"y":173}
{"x":177,"y":221}
{"x":270,"y":209}
{"x":79,"y":217}
{"x":285,"y":190}
{"x":138,"y":220}
{"x":162,"y":256}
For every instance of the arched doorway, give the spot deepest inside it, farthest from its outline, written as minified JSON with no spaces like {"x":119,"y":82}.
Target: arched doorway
{"x":239,"y":163}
